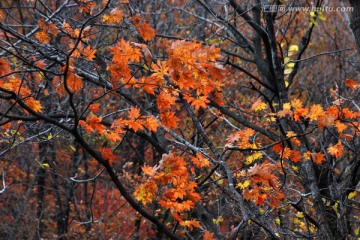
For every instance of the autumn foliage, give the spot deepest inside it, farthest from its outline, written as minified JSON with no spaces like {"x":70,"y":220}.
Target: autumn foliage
{"x":177,"y":120}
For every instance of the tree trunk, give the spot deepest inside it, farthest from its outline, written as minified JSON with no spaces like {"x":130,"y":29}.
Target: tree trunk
{"x":355,"y":20}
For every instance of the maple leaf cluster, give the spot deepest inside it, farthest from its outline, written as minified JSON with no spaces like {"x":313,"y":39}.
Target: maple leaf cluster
{"x":260,"y":184}
{"x":178,"y":192}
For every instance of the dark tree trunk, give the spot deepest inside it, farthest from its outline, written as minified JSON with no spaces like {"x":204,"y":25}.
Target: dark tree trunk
{"x":41,"y":190}
{"x":355,"y":20}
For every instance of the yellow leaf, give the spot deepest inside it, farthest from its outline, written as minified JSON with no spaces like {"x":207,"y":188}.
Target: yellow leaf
{"x":258,"y":105}
{"x":290,"y":65}
{"x":352,"y":195}
{"x":244,"y":184}
{"x":218,"y":220}
{"x":45,"y":165}
{"x":300,"y":215}
{"x":293,"y":48}
{"x":73,"y":148}
{"x":277,"y":220}
{"x":335,"y":207}
{"x":321,"y":16}
{"x":288,"y":71}
{"x":253,"y":157}
{"x":286,"y":106}
{"x":356,"y":231}
{"x":294,"y":168}
{"x":145,"y":67}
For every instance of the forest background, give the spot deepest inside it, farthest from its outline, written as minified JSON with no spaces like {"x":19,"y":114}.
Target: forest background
{"x":216,"y":119}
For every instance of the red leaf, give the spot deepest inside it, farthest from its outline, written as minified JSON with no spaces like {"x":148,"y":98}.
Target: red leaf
{"x":352,"y":84}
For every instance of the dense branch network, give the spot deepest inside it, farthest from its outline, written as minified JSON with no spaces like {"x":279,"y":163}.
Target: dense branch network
{"x":204,"y":116}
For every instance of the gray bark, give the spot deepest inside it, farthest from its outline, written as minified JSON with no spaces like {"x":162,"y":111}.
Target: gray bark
{"x":355,"y":20}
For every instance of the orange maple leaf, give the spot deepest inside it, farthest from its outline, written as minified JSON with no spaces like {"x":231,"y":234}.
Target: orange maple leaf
{"x":318,"y":158}
{"x":149,"y":84}
{"x":191,"y":224}
{"x":286,"y":153}
{"x":149,"y":170}
{"x":151,"y":123}
{"x":144,"y":29}
{"x":293,"y":138}
{"x":88,"y":53}
{"x":134,"y":113}
{"x":300,"y":112}
{"x":340,"y":126}
{"x":352,"y":84}
{"x":199,"y":102}
{"x":112,"y":135}
{"x":95,"y":107}
{"x":118,"y":125}
{"x":146,"y":192}
{"x":260,"y":200}
{"x":208,"y":236}
{"x":107,"y":154}
{"x":135,"y":125}
{"x":4,"y":67}
{"x":165,"y":100}
{"x":316,"y":111}
{"x":295,"y":156}
{"x":349,"y":114}
{"x":160,"y":69}
{"x":333,"y":111}
{"x":286,"y":110}
{"x":200,"y":161}
{"x":6,"y":126}
{"x":169,"y":119}
{"x":278,"y":148}
{"x":336,"y":150}
{"x":124,"y":52}
{"x":114,"y":17}
{"x":74,"y":82}
{"x":92,"y":123}
{"x":43,"y":37}
{"x":34,"y":104}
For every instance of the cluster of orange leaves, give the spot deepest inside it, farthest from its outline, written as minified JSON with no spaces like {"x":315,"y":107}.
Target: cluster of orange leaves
{"x":329,"y":117}
{"x":172,"y":179}
{"x":259,"y":182}
{"x":114,"y":17}
{"x":190,"y":71}
{"x":15,"y":85}
{"x":46,"y":28}
{"x":87,"y":52}
{"x":134,"y":121}
{"x":342,"y":119}
{"x":262,"y":185}
{"x":144,"y":29}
